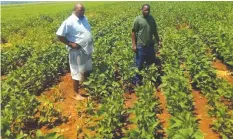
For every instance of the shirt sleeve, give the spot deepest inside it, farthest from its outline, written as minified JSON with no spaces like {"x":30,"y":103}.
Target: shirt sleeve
{"x":135,"y":26}
{"x":63,"y":29}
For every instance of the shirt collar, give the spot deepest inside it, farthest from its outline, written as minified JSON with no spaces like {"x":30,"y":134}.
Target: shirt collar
{"x":145,"y":17}
{"x":76,"y":18}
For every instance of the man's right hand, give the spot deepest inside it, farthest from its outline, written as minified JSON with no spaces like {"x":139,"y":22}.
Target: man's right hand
{"x":74,"y":45}
{"x":134,"y":48}
{"x":66,"y":42}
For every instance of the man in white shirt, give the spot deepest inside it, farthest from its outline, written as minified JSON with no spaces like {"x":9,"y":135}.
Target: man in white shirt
{"x":75,"y":33}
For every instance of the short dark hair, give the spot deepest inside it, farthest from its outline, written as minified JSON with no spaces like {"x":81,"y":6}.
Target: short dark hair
{"x":145,"y":5}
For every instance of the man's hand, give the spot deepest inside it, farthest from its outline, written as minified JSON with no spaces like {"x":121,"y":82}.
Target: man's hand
{"x":134,"y":48}
{"x":66,"y":42}
{"x":159,"y":44}
{"x":133,"y":41}
{"x":74,"y":45}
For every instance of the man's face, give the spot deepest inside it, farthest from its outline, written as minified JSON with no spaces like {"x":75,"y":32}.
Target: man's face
{"x":80,"y":12}
{"x":145,"y":11}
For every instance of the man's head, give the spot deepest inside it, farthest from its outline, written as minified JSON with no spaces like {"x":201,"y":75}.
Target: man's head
{"x":145,"y":10}
{"x":79,"y":10}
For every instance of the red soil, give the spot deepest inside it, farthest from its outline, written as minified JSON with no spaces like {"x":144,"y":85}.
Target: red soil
{"x":201,"y":111}
{"x":3,"y":77}
{"x":222,"y":71}
{"x":164,"y":116}
{"x":130,"y":99}
{"x":78,"y":119}
{"x":76,"y":125}
{"x":69,"y":108}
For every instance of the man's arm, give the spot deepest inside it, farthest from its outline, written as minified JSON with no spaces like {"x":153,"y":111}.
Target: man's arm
{"x":133,"y":41}
{"x":135,"y":28}
{"x":156,"y":35}
{"x":66,"y":42}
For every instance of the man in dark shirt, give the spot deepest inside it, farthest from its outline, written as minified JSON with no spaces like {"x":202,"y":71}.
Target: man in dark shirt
{"x":144,"y":37}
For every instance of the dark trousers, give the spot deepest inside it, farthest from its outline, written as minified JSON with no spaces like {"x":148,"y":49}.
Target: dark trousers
{"x":144,"y":54}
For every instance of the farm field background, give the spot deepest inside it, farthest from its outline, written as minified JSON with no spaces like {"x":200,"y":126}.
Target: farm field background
{"x":194,"y":100}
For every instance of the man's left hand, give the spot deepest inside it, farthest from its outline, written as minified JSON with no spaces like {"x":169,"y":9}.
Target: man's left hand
{"x":160,"y":44}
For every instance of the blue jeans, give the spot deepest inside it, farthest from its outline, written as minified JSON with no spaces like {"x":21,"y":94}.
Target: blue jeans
{"x":144,"y":54}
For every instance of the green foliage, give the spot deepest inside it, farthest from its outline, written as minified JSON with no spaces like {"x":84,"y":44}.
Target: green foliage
{"x":52,"y":135}
{"x":48,"y":113}
{"x":32,"y":60}
{"x":14,"y":57}
{"x":145,"y":109}
{"x":184,"y":126}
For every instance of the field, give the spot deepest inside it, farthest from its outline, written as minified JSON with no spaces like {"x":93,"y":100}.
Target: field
{"x":194,"y":99}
